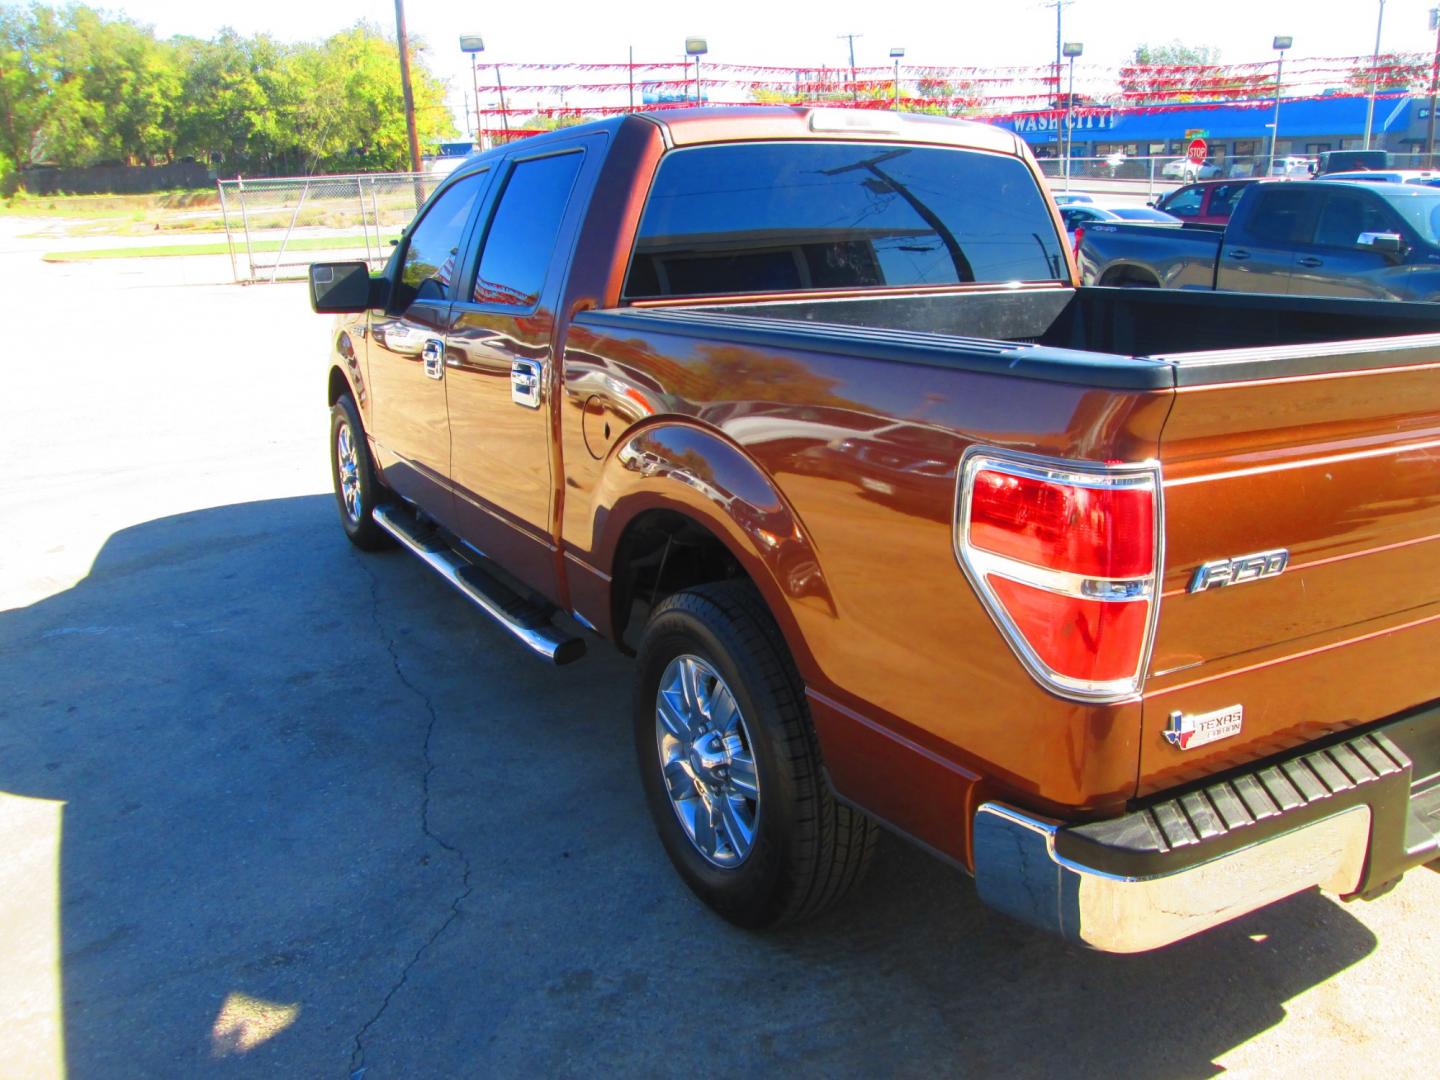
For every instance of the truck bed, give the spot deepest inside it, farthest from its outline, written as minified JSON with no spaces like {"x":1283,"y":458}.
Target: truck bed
{"x":1300,"y":423}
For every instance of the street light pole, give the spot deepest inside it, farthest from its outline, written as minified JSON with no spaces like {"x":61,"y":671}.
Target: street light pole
{"x":896,"y":54}
{"x":1071,"y":50}
{"x":1280,"y":44}
{"x":696,"y":47}
{"x":1374,"y":66}
{"x":474,"y":44}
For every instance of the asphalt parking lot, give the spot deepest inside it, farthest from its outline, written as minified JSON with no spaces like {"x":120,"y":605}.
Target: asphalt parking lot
{"x":272,"y":807}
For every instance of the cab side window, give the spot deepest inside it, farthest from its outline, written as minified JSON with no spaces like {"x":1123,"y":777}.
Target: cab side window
{"x":523,"y":232}
{"x":1279,"y":215}
{"x":1344,"y":216}
{"x":429,"y":264}
{"x":1222,"y":199}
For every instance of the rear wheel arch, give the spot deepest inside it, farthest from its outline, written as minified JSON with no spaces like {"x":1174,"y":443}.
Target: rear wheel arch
{"x":1131,"y":277}
{"x":692,"y":490}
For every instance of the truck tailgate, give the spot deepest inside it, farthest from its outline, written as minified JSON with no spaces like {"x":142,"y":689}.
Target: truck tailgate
{"x":1341,"y":469}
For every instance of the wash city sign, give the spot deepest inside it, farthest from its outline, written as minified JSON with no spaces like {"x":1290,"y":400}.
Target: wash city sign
{"x":1054,"y":120}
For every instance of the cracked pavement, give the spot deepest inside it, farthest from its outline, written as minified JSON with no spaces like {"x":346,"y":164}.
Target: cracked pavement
{"x":357,"y":1059}
{"x":270,"y":806}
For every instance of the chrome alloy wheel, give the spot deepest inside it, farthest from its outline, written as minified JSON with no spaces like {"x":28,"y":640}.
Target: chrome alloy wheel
{"x":707,"y":761}
{"x":348,"y":462}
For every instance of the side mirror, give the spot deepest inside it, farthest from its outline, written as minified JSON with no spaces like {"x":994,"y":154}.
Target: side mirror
{"x":345,"y":288}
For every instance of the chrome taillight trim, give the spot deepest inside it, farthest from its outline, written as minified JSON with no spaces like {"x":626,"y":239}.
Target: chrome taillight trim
{"x":978,"y":564}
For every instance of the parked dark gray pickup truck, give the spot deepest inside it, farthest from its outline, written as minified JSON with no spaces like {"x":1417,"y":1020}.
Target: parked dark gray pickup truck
{"x":1319,"y":237}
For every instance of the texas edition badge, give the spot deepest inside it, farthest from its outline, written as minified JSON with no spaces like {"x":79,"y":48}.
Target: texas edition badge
{"x":1188,"y":732}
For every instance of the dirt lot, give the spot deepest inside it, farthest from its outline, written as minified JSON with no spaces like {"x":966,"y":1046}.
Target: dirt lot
{"x":269,"y":807}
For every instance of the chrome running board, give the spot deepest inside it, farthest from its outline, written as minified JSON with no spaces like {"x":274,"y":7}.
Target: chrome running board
{"x":527,"y":620}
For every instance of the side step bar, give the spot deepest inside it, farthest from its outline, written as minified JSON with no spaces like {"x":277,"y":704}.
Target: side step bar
{"x":527,"y":620}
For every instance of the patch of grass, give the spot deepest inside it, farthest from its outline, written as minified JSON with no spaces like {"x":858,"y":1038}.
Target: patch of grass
{"x":154,"y":251}
{"x":24,"y":204}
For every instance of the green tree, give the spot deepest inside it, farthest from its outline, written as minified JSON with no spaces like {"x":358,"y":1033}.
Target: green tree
{"x":1174,"y":53}
{"x":351,"y":112}
{"x":124,"y":88}
{"x":1392,"y":72}
{"x":32,"y":79}
{"x":1179,"y":72}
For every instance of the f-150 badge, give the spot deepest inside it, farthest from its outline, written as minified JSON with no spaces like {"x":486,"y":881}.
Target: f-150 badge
{"x":1187,"y":732}
{"x":1236,"y":571}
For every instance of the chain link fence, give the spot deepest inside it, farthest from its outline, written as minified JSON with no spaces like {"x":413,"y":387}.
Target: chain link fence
{"x":275,"y":228}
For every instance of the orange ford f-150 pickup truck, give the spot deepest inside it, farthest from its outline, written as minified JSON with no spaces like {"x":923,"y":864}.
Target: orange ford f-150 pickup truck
{"x":1127,"y":602}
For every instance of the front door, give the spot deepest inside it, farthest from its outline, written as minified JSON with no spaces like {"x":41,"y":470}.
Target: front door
{"x":501,"y":368}
{"x":411,"y":428}
{"x":1338,"y":257}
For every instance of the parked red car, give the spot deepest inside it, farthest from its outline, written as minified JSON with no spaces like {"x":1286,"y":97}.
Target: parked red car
{"x":1208,"y":202}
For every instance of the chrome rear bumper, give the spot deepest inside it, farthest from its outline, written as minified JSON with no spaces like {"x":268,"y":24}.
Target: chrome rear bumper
{"x":1347,"y":819}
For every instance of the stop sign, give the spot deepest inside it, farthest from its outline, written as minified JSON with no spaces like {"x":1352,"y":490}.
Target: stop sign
{"x":1196,"y":151}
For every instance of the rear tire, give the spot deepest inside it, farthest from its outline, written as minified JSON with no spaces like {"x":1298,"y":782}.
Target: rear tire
{"x":357,"y":489}
{"x":790,"y":851}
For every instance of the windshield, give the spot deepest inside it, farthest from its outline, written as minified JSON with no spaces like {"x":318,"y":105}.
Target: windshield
{"x":796,"y":216}
{"x":1419,"y":206}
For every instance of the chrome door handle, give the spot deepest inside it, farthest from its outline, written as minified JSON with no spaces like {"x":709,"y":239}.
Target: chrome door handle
{"x":1238,"y":254}
{"x":434,"y":356}
{"x":1310,"y":260}
{"x":525,"y":382}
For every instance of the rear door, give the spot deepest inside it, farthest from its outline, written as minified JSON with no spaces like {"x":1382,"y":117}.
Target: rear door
{"x":500,"y":360}
{"x":411,"y":428}
{"x":1258,"y":253}
{"x":1336,"y":260}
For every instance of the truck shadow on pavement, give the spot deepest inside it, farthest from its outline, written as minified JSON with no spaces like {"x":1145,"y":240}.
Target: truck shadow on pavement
{"x":318,"y":815}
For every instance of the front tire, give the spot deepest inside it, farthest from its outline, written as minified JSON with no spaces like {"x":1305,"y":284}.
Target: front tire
{"x":357,"y":490}
{"x":730,"y":765}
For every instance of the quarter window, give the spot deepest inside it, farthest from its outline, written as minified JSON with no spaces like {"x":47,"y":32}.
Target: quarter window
{"x":522,"y":235}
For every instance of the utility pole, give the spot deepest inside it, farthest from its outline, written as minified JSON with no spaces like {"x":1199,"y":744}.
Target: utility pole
{"x":854,"y":91}
{"x":504,"y":111}
{"x":404,"y":42}
{"x":1374,"y":71}
{"x":1059,"y":6}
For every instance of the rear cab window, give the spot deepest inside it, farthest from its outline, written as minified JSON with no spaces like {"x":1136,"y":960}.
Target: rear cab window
{"x":797,"y":216}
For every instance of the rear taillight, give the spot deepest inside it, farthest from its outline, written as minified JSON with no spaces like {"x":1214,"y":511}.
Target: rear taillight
{"x":1066,"y":558}
{"x":1079,"y":236}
